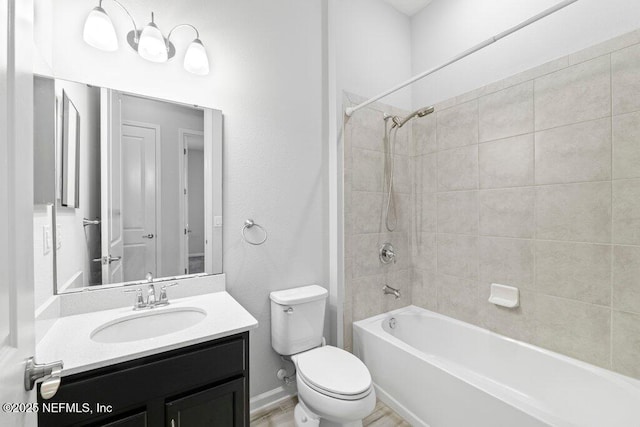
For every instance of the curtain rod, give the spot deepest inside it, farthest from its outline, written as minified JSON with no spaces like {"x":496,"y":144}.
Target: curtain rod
{"x":350,"y":110}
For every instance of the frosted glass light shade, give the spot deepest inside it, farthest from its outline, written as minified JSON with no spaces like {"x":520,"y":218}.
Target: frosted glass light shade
{"x":196,"y":60}
{"x":152,"y":45}
{"x":99,"y":31}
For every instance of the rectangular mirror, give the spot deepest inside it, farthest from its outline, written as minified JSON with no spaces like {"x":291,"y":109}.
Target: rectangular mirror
{"x":125,"y":186}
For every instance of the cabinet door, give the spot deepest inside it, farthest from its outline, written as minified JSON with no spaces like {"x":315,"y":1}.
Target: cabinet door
{"x":136,"y":420}
{"x":221,"y":406}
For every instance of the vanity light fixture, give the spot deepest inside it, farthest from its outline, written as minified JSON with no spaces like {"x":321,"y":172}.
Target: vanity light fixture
{"x":149,"y":42}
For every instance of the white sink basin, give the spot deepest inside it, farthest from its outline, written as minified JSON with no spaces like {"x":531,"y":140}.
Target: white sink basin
{"x":148,"y":324}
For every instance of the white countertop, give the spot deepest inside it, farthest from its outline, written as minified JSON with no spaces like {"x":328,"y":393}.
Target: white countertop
{"x":69,"y":339}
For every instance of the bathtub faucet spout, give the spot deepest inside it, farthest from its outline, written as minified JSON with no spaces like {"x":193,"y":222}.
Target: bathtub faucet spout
{"x":388,"y":290}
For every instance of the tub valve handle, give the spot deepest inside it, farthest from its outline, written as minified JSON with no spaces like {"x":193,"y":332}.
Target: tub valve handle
{"x":387,"y":254}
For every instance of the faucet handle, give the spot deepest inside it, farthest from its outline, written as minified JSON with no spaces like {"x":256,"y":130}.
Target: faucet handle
{"x":163,"y":293}
{"x":139,"y":298}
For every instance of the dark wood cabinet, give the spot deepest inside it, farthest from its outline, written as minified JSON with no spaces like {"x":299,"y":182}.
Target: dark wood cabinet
{"x":201,"y":385}
{"x":221,"y":405}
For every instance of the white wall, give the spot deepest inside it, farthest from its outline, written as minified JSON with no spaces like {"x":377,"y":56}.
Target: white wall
{"x":447,"y":27}
{"x":373,"y":50}
{"x":266,"y":77}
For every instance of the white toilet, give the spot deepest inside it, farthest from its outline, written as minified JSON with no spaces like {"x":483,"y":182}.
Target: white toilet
{"x":334,"y":386}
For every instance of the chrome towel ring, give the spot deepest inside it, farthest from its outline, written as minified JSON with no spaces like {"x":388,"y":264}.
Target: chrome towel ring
{"x":248,"y":224}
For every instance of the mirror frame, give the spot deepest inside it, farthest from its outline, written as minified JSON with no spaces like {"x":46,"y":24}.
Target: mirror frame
{"x":213,"y":168}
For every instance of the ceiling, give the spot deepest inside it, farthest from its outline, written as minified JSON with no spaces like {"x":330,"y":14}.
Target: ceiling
{"x":409,"y":7}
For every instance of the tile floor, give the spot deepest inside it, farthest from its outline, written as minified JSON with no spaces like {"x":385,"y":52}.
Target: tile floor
{"x":282,"y":416}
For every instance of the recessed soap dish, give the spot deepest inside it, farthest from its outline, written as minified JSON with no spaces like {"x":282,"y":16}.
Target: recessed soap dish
{"x":504,"y":296}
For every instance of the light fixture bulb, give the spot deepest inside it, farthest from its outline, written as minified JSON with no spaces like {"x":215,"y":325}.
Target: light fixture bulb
{"x":152,"y":45}
{"x":196,"y":60}
{"x":99,"y":31}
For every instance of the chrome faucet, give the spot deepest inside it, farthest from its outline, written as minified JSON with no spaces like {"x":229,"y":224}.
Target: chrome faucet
{"x":151,"y":300}
{"x":151,"y":295}
{"x":388,"y":290}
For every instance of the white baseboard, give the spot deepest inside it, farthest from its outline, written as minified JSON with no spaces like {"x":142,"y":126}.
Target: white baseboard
{"x":268,"y":400}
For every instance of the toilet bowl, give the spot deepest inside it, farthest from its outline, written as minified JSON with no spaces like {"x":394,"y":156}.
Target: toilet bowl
{"x":334,"y":386}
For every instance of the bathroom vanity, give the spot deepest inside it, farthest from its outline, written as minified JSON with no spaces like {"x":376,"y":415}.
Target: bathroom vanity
{"x":200,"y":385}
{"x":185,"y":364}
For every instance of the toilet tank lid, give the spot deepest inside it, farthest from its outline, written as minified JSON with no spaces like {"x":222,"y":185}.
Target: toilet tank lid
{"x":299,"y":295}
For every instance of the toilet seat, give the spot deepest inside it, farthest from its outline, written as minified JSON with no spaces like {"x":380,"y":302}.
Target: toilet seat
{"x":334,"y":372}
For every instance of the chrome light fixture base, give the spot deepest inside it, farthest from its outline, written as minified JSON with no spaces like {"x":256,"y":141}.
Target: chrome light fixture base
{"x":133,"y":38}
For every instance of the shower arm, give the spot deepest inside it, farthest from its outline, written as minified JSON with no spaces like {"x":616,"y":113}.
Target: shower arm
{"x":350,"y":110}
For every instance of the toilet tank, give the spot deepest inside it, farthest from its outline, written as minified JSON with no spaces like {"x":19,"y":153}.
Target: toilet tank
{"x":297,"y":319}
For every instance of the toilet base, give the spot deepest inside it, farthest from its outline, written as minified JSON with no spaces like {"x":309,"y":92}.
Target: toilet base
{"x":305,"y":418}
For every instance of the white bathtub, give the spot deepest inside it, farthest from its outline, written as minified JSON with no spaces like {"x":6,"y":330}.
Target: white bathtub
{"x":437,"y":371}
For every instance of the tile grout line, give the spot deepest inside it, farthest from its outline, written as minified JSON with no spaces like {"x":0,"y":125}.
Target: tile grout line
{"x":477,"y":234}
{"x":611,"y":288}
{"x":534,"y":327}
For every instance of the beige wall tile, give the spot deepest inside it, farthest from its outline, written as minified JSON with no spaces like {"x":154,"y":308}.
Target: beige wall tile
{"x":367,"y":296}
{"x":626,"y":146}
{"x":506,"y":162}
{"x":506,"y":113}
{"x":366,"y":247}
{"x":369,"y":118}
{"x":426,"y":173}
{"x":368,"y":170}
{"x":605,"y":47}
{"x":370,"y":139}
{"x":401,"y":141}
{"x":366,"y":212}
{"x":458,"y":169}
{"x":517,"y":323}
{"x":575,"y":94}
{"x":404,"y":213}
{"x":626,"y":343}
{"x":574,"y":328}
{"x":424,"y":134}
{"x":424,"y":291}
{"x":625,"y":80}
{"x":458,"y":298}
{"x":403,"y":174}
{"x":457,"y":126}
{"x":506,"y":261}
{"x":626,"y":212}
{"x":574,"y":153}
{"x":533,"y":73}
{"x":458,"y":212}
{"x":626,"y":278}
{"x":425,"y":251}
{"x":426,"y":212}
{"x":577,"y":212}
{"x":458,"y":255}
{"x":579,"y":271}
{"x":507,"y":213}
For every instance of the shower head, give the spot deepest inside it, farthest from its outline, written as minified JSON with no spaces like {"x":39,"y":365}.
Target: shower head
{"x":397,"y":121}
